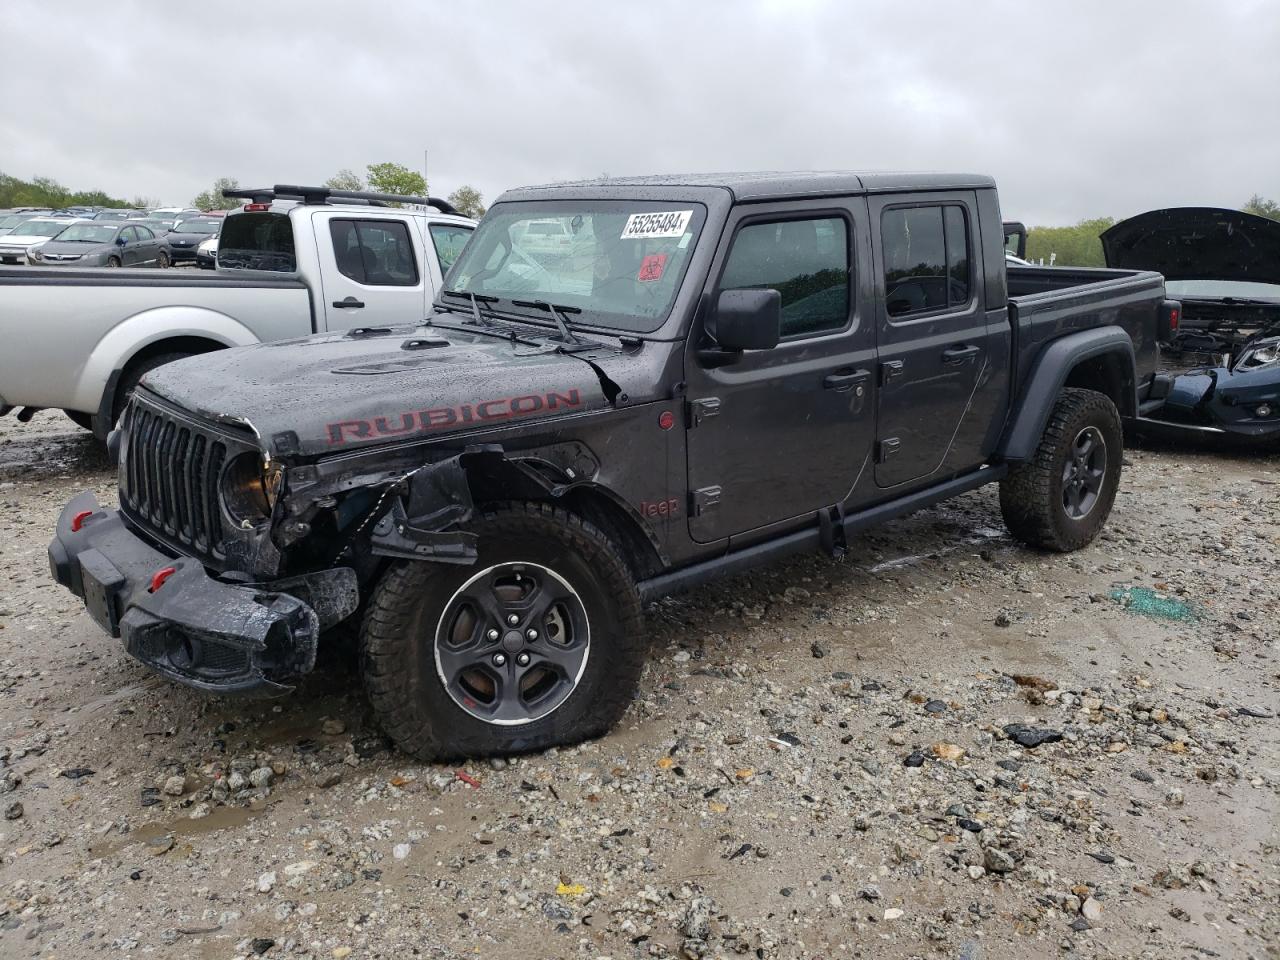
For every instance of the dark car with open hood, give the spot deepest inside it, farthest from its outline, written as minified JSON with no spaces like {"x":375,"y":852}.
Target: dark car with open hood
{"x":1224,"y":354}
{"x":625,"y":388}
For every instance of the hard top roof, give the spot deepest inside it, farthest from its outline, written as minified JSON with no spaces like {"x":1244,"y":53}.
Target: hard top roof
{"x":776,"y":185}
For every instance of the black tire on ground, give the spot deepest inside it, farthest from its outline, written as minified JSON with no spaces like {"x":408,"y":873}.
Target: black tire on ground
{"x":113,"y":261}
{"x":134,"y":372}
{"x":411,"y":609}
{"x":162,"y":260}
{"x":80,"y":418}
{"x":1060,"y":499}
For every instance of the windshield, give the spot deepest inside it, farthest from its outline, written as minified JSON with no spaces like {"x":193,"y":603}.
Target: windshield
{"x":88,"y":233}
{"x":13,"y":221}
{"x":620,"y":262}
{"x":207,"y":227}
{"x":38,"y":228}
{"x":1217,"y":289}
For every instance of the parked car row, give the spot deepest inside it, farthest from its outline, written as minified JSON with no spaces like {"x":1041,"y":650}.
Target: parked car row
{"x":108,"y":238}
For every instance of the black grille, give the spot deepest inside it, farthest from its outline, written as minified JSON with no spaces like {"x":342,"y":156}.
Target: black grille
{"x":170,"y":478}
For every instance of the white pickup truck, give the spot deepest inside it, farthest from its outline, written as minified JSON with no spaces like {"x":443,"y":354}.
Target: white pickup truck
{"x":291,"y":261}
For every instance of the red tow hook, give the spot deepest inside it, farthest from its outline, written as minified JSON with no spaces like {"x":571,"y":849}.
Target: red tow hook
{"x":159,"y":577}
{"x":78,"y":520}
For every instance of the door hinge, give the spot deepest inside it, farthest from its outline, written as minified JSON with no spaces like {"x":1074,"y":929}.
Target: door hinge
{"x":702,"y":500}
{"x":887,"y":448}
{"x":890,"y":370}
{"x":701,"y":409}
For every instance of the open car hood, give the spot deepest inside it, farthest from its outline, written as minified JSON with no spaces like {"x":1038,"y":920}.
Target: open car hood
{"x":1197,"y":243}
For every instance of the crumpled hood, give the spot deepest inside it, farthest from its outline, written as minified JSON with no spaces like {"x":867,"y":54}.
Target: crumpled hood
{"x":340,"y":391}
{"x":1197,"y":243}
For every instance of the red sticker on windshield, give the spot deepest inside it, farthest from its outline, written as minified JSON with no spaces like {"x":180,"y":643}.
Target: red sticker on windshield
{"x":651,"y":267}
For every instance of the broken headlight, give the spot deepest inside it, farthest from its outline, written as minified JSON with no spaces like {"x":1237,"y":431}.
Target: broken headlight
{"x":249,"y":489}
{"x":1262,"y":353}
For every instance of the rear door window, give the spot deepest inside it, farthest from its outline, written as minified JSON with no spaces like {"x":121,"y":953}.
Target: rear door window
{"x":926,"y":259}
{"x":257,"y":241}
{"x":375,"y":252}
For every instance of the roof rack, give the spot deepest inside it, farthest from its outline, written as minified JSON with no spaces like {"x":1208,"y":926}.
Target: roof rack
{"x":283,"y":191}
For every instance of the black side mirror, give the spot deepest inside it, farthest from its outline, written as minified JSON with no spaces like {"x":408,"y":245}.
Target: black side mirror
{"x":121,"y":241}
{"x":747,"y":320}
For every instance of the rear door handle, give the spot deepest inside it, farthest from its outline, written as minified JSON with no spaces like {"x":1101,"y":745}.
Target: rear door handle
{"x":350,"y":303}
{"x":960,"y":354}
{"x":845,"y":379}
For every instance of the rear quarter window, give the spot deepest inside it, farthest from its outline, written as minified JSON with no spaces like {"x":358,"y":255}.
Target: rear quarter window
{"x":258,"y":241}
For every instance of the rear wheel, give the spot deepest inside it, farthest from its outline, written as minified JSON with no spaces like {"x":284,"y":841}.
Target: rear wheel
{"x":133,"y":373}
{"x":1061,"y":498}
{"x":80,"y":418}
{"x":162,"y":260}
{"x":536,"y":645}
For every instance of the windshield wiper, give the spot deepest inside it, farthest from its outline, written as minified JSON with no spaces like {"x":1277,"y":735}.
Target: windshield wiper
{"x":557,"y":314}
{"x":476,"y":299}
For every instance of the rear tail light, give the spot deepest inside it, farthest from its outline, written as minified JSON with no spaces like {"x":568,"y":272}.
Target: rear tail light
{"x":1170,"y":317}
{"x":257,"y":207}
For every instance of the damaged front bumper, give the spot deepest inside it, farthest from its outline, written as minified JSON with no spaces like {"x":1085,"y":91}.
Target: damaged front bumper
{"x":1244,"y":405}
{"x":179,"y":621}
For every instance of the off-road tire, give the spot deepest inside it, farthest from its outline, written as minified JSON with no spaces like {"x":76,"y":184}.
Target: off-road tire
{"x":133,"y":373}
{"x":398,"y":638}
{"x":1031,"y":495}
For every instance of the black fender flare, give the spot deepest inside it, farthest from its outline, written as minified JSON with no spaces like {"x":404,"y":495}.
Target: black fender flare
{"x":1049,"y":375}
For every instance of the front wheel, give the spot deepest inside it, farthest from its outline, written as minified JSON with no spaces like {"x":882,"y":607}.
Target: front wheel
{"x":1060,"y":499}
{"x":113,"y":261}
{"x":538,"y":644}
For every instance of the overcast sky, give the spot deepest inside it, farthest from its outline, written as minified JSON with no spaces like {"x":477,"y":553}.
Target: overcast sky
{"x":1077,"y":108}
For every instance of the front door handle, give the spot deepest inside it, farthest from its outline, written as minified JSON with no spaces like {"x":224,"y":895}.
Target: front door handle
{"x":845,"y":379}
{"x":962,"y":354}
{"x":350,"y":303}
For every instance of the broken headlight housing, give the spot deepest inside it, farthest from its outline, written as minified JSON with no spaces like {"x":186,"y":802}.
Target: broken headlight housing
{"x":1260,"y":353}
{"x":249,"y":489}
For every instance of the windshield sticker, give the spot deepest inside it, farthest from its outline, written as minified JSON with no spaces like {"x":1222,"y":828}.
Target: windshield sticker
{"x":651,"y":267}
{"x":669,"y":223}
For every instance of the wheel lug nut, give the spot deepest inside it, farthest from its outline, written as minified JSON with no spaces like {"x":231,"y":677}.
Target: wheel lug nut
{"x":512,"y":619}
{"x":491,"y":633}
{"x":523,"y":659}
{"x":499,"y":659}
{"x":531,"y":635}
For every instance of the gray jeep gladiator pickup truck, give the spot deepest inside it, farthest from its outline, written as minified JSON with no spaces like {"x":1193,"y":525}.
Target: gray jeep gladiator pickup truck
{"x":625,"y":388}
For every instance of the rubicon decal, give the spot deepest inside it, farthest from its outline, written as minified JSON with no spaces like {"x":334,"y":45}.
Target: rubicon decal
{"x":439,"y":418}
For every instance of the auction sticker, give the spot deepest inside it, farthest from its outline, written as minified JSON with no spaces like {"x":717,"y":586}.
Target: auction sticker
{"x":668,"y":223}
{"x":651,"y":267}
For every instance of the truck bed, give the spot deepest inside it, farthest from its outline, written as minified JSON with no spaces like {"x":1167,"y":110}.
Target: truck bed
{"x":60,"y":350}
{"x":104,"y":277}
{"x":1046,"y":302}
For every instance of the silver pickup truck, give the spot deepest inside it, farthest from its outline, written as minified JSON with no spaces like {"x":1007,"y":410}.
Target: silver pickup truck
{"x":292,"y":261}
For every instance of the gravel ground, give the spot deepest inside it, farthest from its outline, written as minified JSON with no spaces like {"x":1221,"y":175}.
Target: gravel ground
{"x":943,"y":745}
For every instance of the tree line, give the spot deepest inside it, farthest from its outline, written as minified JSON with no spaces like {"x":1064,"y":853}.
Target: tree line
{"x":45,"y":192}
